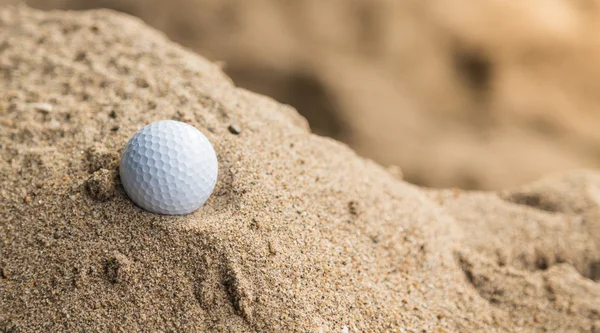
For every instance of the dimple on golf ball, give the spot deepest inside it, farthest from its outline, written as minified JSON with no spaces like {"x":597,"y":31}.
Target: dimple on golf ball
{"x":169,"y":167}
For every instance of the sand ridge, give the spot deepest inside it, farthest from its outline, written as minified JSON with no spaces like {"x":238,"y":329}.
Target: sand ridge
{"x":301,"y":235}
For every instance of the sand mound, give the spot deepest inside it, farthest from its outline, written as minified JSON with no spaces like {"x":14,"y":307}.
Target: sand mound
{"x":301,"y":235}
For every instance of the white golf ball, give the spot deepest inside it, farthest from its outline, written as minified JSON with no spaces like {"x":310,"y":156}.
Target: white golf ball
{"x":169,"y":167}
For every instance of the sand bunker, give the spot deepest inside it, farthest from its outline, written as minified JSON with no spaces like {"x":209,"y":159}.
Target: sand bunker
{"x":301,"y":234}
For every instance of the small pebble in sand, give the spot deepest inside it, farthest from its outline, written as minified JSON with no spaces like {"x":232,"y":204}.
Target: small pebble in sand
{"x":234,"y":129}
{"x":43,"y":107}
{"x":7,"y":122}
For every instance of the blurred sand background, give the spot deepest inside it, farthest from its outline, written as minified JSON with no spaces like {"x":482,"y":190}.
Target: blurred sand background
{"x":472,"y":94}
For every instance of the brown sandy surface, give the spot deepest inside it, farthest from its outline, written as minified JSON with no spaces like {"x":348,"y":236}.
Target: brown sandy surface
{"x":476,"y":94}
{"x":301,"y":234}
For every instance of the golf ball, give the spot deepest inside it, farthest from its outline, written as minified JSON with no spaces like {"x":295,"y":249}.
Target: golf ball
{"x":169,"y":167}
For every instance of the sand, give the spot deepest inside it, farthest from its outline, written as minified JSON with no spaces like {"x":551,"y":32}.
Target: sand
{"x":301,"y":234}
{"x":475,"y":94}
